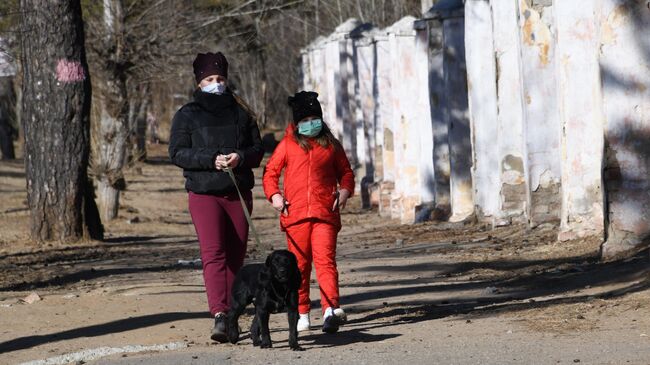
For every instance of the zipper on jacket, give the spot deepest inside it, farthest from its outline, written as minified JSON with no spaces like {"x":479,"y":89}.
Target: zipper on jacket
{"x":309,"y":185}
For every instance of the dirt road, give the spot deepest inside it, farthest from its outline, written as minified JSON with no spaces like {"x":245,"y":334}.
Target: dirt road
{"x":427,"y":293}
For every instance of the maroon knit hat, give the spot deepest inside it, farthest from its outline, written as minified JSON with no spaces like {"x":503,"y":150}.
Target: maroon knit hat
{"x":206,"y":64}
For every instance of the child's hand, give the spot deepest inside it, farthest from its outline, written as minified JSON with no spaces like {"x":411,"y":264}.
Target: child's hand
{"x":342,"y":200}
{"x":278,"y":202}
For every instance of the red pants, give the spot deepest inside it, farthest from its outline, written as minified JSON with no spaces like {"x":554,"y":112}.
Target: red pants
{"x":222,"y":230}
{"x":314,"y":240}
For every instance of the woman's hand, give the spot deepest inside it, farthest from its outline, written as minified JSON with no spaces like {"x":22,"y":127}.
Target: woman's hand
{"x":278,"y":202}
{"x":220,"y":162}
{"x":344,"y":194}
{"x":232,"y":160}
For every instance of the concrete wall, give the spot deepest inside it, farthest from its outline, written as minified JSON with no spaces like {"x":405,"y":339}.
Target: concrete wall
{"x":424,"y":130}
{"x":385,"y":154}
{"x":439,"y":122}
{"x":510,"y":115}
{"x":365,"y":64}
{"x":580,"y":106}
{"x":332,"y":84}
{"x":482,"y":91}
{"x":534,"y":111}
{"x":405,"y":120}
{"x":541,"y":117}
{"x":624,"y":68}
{"x":457,"y":116}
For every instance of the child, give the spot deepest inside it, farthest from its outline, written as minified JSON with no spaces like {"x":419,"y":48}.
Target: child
{"x":318,"y":181}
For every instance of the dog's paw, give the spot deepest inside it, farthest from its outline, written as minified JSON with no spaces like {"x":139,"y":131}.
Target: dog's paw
{"x":266,"y":344}
{"x":296,"y":347}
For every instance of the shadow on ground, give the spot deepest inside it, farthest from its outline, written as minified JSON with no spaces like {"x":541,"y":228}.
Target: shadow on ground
{"x":121,"y":325}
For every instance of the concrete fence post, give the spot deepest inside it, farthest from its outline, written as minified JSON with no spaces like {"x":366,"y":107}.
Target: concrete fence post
{"x":581,"y":115}
{"x":624,"y":64}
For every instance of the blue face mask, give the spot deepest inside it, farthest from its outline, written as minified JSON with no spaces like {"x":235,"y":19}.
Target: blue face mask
{"x":310,"y":128}
{"x":215,"y":88}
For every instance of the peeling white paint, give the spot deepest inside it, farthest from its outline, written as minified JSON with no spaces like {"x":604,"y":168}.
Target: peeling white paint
{"x":384,"y":108}
{"x":547,"y":85}
{"x":541,"y":116}
{"x":624,"y":65}
{"x":510,"y":113}
{"x":481,"y":76}
{"x":580,"y":108}
{"x":364,"y":53}
{"x":405,"y":116}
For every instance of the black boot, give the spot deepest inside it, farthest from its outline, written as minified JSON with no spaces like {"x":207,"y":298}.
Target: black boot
{"x":219,"y":333}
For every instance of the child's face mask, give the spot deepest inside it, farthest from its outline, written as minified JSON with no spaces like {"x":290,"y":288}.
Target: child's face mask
{"x":310,"y":128}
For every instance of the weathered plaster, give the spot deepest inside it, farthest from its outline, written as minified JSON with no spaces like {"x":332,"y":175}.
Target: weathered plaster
{"x":542,"y":124}
{"x":581,"y":116}
{"x":510,"y":114}
{"x":624,"y":66}
{"x":482,"y":91}
{"x":455,"y":76}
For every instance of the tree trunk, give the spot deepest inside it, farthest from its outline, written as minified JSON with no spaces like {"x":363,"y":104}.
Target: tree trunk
{"x":56,"y":109}
{"x":7,"y":132}
{"x":112,"y":103}
{"x":138,"y":105}
{"x":317,"y":15}
{"x":263,"y":77}
{"x":140,"y":146}
{"x":426,"y":5}
{"x":113,"y":144}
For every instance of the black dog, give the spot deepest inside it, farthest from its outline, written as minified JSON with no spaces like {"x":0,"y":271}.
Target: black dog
{"x":273,"y":288}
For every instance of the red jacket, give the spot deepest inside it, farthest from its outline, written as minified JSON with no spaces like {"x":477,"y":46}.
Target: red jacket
{"x":311,"y":179}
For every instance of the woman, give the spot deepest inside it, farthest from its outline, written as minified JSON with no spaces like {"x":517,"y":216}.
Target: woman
{"x":318,"y":181}
{"x":211,"y":133}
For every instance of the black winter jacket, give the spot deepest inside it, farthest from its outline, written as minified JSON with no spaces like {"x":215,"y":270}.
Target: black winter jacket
{"x":210,"y":125}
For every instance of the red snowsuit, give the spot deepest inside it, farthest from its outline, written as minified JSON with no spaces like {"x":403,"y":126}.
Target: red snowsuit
{"x":311,"y":180}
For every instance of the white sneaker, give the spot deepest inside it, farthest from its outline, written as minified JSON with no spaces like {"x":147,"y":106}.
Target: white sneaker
{"x":340,"y":314}
{"x":333,"y":319}
{"x":303,"y":322}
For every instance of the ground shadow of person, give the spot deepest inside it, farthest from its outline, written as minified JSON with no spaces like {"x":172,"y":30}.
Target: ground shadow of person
{"x":345,"y":336}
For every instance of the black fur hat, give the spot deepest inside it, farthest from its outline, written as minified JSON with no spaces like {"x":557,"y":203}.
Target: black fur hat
{"x":304,"y":104}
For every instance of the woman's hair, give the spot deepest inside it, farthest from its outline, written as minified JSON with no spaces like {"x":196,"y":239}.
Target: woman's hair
{"x":244,"y":105}
{"x":325,"y":138}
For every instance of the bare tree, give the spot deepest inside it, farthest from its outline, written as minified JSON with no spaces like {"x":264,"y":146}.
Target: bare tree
{"x":130,"y":43}
{"x":56,"y":106}
{"x":7,"y":114}
{"x":266,"y":52}
{"x":110,"y":106}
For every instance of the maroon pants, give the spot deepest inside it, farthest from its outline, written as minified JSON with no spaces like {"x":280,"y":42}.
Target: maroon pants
{"x":222,"y":230}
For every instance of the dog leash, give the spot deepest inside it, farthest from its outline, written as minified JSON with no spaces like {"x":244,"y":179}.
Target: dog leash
{"x":246,"y":212}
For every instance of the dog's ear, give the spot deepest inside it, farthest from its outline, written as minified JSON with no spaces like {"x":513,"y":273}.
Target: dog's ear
{"x":264,"y":276}
{"x":268,"y":260}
